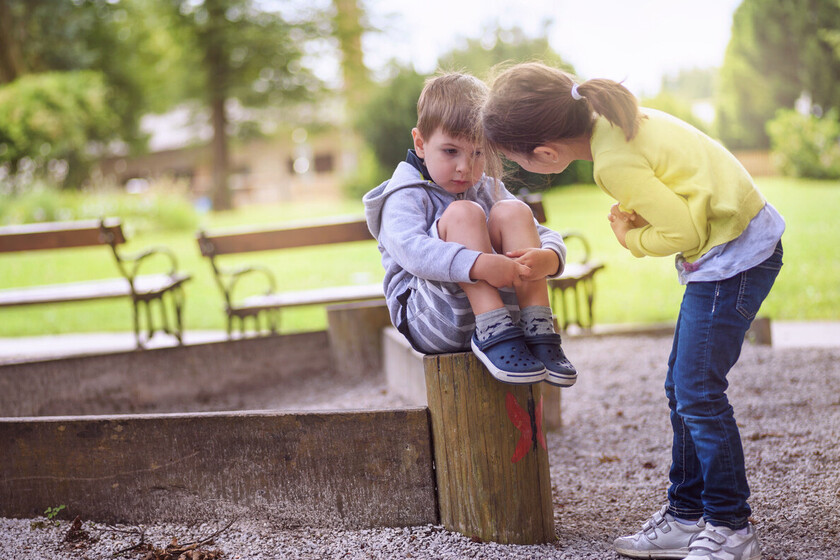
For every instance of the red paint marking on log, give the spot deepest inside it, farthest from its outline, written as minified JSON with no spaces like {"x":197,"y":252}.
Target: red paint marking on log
{"x":522,"y":421}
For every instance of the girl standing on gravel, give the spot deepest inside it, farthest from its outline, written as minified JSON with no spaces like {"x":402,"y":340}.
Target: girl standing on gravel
{"x":678,"y":192}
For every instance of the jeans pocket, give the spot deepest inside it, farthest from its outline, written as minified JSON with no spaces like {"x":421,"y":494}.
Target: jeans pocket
{"x":774,"y":262}
{"x":755,"y":284}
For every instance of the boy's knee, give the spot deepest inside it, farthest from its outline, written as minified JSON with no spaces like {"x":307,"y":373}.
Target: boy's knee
{"x":460,"y":213}
{"x":511,"y":209}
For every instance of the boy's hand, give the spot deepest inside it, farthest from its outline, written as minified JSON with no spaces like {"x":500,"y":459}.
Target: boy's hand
{"x":498,"y":271}
{"x":540,"y":262}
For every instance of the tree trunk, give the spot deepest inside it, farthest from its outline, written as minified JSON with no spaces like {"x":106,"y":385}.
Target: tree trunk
{"x":217,"y":88}
{"x":11,"y":63}
{"x":221,"y":189}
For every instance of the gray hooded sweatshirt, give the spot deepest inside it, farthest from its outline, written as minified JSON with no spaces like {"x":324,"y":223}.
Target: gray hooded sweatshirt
{"x":400,"y":214}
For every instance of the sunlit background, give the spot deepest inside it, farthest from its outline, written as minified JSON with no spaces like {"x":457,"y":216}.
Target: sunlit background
{"x":175,"y":115}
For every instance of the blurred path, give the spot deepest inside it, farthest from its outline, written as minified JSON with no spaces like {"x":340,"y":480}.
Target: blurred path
{"x":786,"y":334}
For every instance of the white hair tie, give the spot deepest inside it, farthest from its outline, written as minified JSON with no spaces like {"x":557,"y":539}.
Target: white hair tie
{"x":575,"y":95}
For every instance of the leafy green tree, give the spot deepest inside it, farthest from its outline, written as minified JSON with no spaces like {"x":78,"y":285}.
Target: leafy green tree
{"x":691,"y":84}
{"x":806,"y":145}
{"x":500,"y":48}
{"x":777,"y":51}
{"x":677,"y":106}
{"x":501,"y":45}
{"x":386,"y":120}
{"x":246,"y":53}
{"x":129,"y":45}
{"x":50,"y":122}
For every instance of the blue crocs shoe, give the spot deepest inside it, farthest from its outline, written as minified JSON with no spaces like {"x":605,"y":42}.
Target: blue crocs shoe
{"x":547,"y":349}
{"x":508,"y":359}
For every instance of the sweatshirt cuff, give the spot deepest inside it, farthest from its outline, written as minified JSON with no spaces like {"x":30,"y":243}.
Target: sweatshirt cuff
{"x":561,"y":256}
{"x":459,"y":270}
{"x":633,"y":241}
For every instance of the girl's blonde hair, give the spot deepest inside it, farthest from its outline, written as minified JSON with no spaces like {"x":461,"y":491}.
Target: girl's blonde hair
{"x":531,"y":104}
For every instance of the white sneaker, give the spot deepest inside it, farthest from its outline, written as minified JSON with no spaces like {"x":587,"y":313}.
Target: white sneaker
{"x":661,"y":537}
{"x":722,"y":543}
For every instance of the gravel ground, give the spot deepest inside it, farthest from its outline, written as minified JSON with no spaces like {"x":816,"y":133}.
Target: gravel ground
{"x":609,"y":468}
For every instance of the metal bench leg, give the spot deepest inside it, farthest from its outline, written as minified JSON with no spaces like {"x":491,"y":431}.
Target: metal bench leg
{"x":177,"y":296}
{"x":589,"y":286}
{"x":136,"y":316}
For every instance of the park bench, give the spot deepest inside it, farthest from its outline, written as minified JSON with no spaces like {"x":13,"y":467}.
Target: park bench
{"x":143,"y":290}
{"x":336,"y":231}
{"x":271,"y":302}
{"x":578,"y":282}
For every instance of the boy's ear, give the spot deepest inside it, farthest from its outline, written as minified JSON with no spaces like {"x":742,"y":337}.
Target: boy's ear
{"x":418,"y":142}
{"x":547,"y":154}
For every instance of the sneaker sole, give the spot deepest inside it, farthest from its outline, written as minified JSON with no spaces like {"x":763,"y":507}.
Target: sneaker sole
{"x":672,"y":554}
{"x":560,"y":380}
{"x":512,"y":378}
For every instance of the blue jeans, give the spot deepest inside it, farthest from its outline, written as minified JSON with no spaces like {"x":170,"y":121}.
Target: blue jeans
{"x":708,"y":477}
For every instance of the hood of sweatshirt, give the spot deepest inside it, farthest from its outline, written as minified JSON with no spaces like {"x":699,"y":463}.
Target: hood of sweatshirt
{"x":409,"y":173}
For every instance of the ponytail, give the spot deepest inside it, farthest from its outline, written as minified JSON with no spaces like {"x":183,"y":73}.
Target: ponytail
{"x":614,"y":102}
{"x":532,"y":104}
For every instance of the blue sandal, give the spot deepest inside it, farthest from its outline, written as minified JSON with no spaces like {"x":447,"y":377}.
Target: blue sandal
{"x":508,"y":359}
{"x":547,"y":349}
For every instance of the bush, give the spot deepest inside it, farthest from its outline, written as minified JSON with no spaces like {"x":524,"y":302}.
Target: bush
{"x":162,"y":207}
{"x":54,"y":118}
{"x":368,"y":174}
{"x":806,"y":145}
{"x":386,"y":120}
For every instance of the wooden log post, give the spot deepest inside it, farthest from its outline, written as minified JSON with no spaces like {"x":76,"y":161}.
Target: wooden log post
{"x":355,"y":333}
{"x":491,"y":460}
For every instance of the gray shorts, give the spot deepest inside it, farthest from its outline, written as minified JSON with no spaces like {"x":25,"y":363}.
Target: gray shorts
{"x":438,"y":317}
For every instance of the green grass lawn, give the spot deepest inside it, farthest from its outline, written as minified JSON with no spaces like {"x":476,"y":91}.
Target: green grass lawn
{"x":628,"y":290}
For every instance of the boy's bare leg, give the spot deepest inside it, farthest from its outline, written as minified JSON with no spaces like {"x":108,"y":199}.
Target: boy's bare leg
{"x":465,"y":222}
{"x":512,"y":228}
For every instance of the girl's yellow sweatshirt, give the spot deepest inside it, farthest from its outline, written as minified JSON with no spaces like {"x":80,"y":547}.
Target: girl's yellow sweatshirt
{"x":691,"y":190}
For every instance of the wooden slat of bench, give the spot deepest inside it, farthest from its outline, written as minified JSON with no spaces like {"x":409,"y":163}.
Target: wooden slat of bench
{"x":574,"y":273}
{"x":91,"y":290}
{"x":57,"y":235}
{"x":320,"y":296}
{"x":318,"y":233}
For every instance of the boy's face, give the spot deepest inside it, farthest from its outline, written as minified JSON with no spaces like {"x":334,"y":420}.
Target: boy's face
{"x":454,"y":163}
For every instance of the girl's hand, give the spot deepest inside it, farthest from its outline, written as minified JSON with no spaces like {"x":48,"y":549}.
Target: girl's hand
{"x":540,"y":262}
{"x":622,"y":222}
{"x":617,"y":214}
{"x":498,"y":270}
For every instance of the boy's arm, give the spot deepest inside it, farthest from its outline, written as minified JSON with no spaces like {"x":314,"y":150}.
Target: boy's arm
{"x":406,"y":221}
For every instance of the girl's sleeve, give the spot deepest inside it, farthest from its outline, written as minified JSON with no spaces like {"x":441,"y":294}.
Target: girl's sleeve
{"x":405,"y":235}
{"x":632,"y":182}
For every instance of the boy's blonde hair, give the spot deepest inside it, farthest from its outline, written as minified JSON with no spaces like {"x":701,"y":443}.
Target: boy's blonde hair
{"x":451,"y":102}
